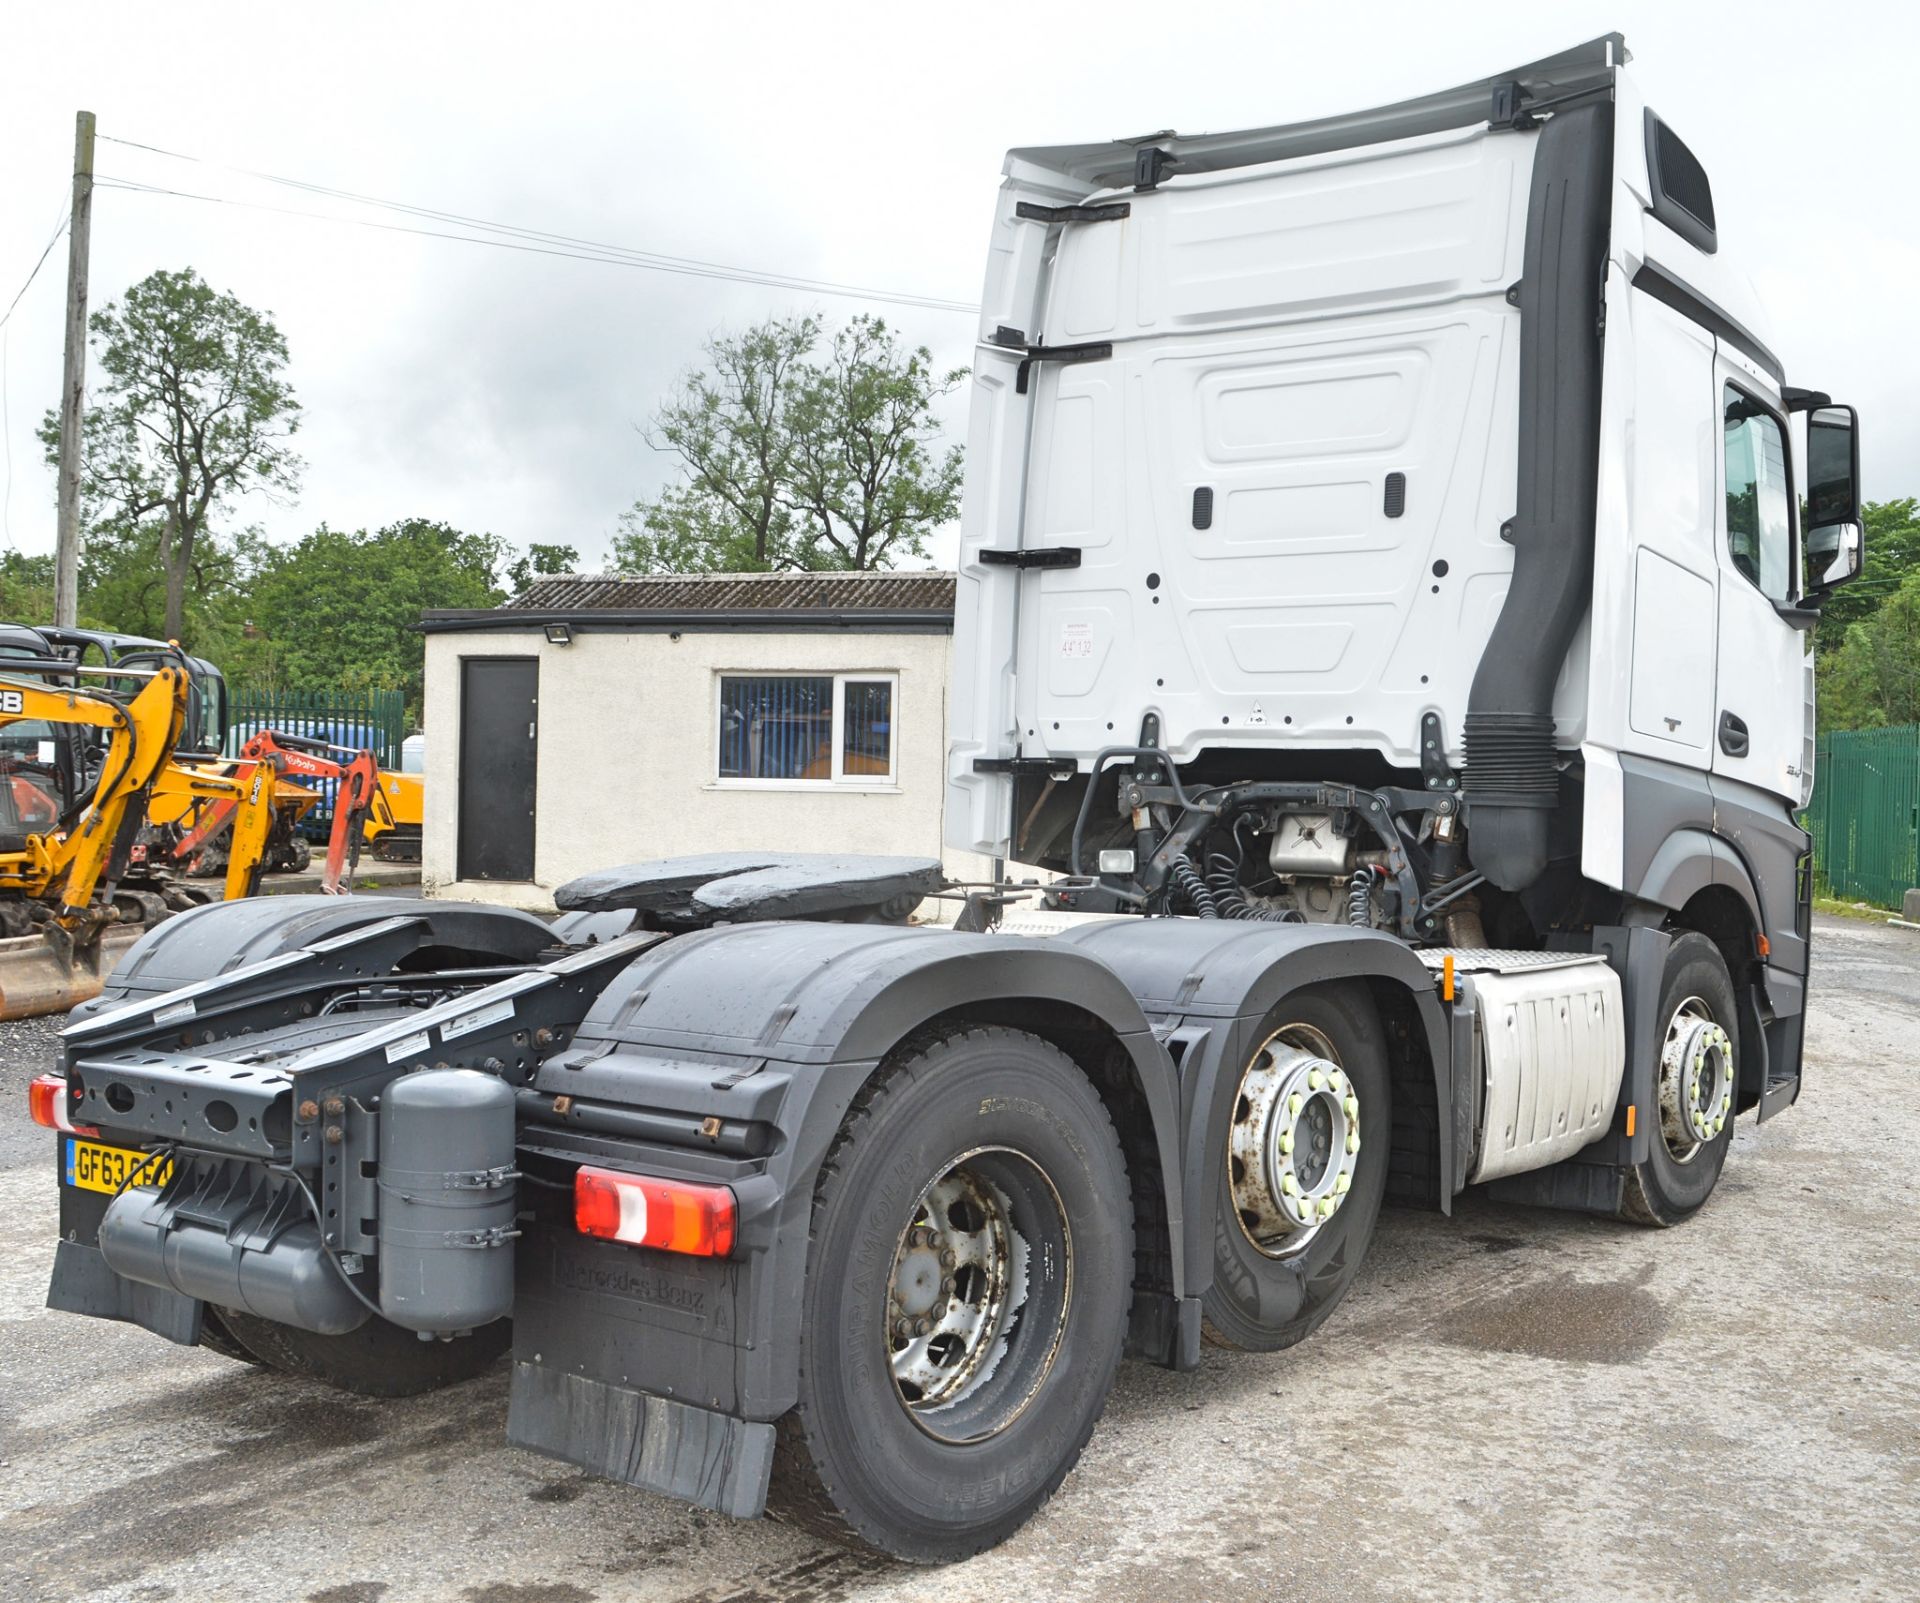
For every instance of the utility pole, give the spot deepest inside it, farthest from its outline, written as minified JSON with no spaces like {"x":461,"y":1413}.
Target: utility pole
{"x":73,"y":380}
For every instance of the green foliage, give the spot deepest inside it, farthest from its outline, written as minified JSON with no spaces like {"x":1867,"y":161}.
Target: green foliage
{"x":123,"y":579}
{"x":336,"y":609}
{"x":538,"y":559}
{"x":194,"y":411}
{"x":1868,"y":644}
{"x":869,"y":481}
{"x":26,"y":587}
{"x":792,"y":462}
{"x":730,"y":426}
{"x":1893,"y":550}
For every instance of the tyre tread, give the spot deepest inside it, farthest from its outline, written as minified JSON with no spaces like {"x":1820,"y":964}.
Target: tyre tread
{"x":800,"y":1495}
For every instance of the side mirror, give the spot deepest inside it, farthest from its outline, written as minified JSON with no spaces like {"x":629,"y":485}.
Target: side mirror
{"x":1836,"y":547}
{"x":1835,"y":554}
{"x":1833,"y":466}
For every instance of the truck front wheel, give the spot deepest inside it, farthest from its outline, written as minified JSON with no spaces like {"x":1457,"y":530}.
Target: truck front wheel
{"x":968,"y":1285}
{"x":1695,"y":1090}
{"x":1304,"y":1169}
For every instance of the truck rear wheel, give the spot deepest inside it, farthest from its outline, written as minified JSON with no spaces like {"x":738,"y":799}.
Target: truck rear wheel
{"x":215,"y":1337}
{"x":1304,"y":1171}
{"x":1696,"y":1089}
{"x":968,"y":1285}
{"x":377,"y":1360}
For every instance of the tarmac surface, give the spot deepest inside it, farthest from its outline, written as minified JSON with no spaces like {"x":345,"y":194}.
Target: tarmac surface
{"x":1511,"y":1404}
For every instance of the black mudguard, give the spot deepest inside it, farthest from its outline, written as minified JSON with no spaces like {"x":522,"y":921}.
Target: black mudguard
{"x":222,"y":936}
{"x":763,"y":1034}
{"x":1207,"y":985}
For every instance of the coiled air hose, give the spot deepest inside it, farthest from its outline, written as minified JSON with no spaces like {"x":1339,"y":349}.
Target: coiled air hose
{"x":1360,"y":898}
{"x":1187,"y":880}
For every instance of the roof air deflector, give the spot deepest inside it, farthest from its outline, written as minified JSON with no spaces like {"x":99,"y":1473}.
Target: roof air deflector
{"x":1590,"y":66}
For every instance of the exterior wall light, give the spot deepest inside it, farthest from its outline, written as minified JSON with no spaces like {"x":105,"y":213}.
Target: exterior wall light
{"x":559,"y":634}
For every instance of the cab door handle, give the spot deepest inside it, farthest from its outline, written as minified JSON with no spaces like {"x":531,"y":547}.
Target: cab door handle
{"x":1733,"y":735}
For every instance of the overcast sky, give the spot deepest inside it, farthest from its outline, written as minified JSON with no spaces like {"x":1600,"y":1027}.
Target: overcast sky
{"x":854,"y":143}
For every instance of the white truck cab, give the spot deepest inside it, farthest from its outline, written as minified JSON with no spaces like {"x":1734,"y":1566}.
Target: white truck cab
{"x":1440,"y":447}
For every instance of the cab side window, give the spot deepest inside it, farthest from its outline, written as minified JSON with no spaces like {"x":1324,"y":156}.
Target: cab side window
{"x":1759,"y":520}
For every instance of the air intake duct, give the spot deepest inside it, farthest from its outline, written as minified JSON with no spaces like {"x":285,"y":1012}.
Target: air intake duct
{"x":1512,"y":780}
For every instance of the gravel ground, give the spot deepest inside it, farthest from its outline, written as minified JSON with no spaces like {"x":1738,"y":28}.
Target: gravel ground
{"x":1511,"y":1404}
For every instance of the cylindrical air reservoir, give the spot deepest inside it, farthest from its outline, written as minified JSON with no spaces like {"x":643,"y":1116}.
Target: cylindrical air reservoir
{"x":448,"y":1198}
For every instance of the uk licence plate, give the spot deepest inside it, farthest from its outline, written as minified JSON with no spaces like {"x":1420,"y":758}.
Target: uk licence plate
{"x":93,"y":1166}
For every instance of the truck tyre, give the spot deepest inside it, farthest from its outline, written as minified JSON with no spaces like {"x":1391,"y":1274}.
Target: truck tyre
{"x":1695,"y":1087}
{"x":215,"y":1337}
{"x":969,"y":1274}
{"x":377,"y":1360}
{"x":1307,"y":1141}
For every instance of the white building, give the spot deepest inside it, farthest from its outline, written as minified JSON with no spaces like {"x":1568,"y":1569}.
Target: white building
{"x":596,"y":721}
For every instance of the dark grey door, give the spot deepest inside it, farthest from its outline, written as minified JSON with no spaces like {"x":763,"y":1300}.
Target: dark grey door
{"x":499,"y":743}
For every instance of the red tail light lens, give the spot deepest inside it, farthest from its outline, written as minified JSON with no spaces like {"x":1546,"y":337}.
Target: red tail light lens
{"x":673,"y":1215}
{"x":47,"y":1102}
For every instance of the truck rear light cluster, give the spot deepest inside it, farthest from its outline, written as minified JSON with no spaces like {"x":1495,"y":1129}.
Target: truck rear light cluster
{"x":47,"y":1102}
{"x":672,"y":1215}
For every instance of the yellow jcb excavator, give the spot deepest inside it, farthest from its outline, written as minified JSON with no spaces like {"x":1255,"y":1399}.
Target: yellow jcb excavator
{"x":68,"y":825}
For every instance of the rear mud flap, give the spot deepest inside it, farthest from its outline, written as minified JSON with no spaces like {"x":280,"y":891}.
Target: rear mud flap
{"x":83,"y":1284}
{"x":708,"y":1459}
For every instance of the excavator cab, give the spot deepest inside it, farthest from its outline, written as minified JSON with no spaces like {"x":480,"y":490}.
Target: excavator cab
{"x":206,"y":729}
{"x":46,"y":769}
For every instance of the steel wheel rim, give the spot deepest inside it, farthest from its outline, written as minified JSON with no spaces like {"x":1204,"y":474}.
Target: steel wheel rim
{"x":1697,"y":1074}
{"x":977,"y":1302}
{"x":1293,"y":1141}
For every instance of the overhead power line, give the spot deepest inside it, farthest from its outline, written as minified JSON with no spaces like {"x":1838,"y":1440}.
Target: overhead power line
{"x":512,"y":236}
{"x":59,"y":229}
{"x":6,"y":390}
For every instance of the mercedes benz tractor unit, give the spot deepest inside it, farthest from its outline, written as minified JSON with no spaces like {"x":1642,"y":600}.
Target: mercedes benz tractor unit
{"x":1389,"y":559}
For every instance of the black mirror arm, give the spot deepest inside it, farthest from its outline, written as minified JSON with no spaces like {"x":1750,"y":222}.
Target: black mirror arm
{"x":1805,"y":613}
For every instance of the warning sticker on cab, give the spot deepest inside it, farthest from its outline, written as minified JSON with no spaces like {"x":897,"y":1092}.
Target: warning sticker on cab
{"x":1076,"y":638}
{"x":466,"y":1023}
{"x":414,"y":1045}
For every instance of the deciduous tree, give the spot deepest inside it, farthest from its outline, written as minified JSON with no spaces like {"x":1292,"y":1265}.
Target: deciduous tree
{"x":195,"y":411}
{"x":792,"y":462}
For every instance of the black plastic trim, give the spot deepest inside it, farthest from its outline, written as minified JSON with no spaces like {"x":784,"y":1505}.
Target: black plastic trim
{"x":1512,"y":781}
{"x":1105,"y":212}
{"x":1664,"y":287}
{"x":1667,"y":207}
{"x":1045,"y":556}
{"x":1065,"y":355}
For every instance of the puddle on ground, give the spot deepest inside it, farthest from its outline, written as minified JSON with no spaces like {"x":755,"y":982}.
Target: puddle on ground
{"x":1614,"y":1322}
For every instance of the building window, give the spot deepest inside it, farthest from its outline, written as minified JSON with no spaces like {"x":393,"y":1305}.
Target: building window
{"x":806,"y":729}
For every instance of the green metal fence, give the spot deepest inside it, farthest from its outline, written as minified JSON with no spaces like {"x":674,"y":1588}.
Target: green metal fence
{"x":375,"y":719}
{"x":1865,"y":813}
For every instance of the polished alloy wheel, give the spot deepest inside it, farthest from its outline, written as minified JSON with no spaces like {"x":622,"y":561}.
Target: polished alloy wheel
{"x":978,"y":1299}
{"x":1696,"y":1080}
{"x":1293,"y":1142}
